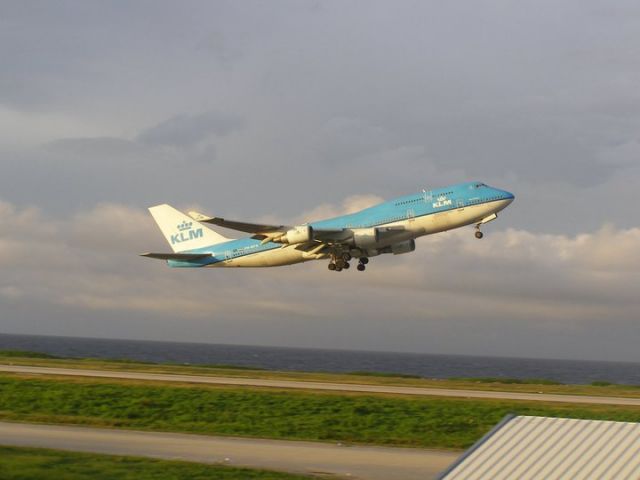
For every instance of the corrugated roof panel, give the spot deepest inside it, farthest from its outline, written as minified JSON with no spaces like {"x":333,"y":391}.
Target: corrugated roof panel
{"x":576,"y":450}
{"x":620,"y":435}
{"x":511,"y":452}
{"x":532,"y":448}
{"x":629,"y":459}
{"x":635,"y":473}
{"x":560,"y":456}
{"x":480,"y":459}
{"x":530,"y":457}
{"x":601,"y":450}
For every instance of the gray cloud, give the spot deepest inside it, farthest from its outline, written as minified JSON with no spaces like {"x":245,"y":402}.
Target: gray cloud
{"x":187,"y":130}
{"x":280,"y":111}
{"x":84,"y":148}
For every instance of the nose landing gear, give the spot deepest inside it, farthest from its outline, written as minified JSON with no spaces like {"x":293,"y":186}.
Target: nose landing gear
{"x":488,"y":219}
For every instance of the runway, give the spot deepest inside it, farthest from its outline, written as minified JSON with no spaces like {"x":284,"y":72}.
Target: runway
{"x":365,"y":463}
{"x":342,"y":387}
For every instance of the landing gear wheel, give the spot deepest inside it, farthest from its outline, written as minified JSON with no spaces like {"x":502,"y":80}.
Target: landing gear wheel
{"x":332,"y":266}
{"x":364,"y":260}
{"x":338,"y":269}
{"x":361,"y":267}
{"x":346,"y":265}
{"x":479,"y":235}
{"x":346,"y":256}
{"x":340,"y":263}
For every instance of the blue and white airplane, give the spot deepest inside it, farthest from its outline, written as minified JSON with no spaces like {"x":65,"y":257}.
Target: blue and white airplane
{"x":389,"y":227}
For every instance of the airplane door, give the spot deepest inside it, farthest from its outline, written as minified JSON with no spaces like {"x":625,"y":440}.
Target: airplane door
{"x":460,"y":204}
{"x":411,"y":214}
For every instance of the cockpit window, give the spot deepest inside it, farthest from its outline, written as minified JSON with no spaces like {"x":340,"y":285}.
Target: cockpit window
{"x":479,"y":185}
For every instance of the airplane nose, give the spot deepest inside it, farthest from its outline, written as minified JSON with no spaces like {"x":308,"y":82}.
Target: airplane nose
{"x":505,"y":197}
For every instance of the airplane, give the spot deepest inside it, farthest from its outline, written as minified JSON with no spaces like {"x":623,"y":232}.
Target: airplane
{"x":389,"y":227}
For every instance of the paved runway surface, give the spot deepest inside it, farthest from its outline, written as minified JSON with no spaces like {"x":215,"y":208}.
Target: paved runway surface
{"x":366,"y":463}
{"x":344,"y":387}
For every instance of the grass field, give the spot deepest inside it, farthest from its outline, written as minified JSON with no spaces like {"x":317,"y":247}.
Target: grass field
{"x":370,"y":378}
{"x":42,"y":464}
{"x":283,"y":414}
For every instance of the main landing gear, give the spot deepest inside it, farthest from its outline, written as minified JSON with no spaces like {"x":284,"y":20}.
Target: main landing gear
{"x":341,"y":262}
{"x":361,"y":264}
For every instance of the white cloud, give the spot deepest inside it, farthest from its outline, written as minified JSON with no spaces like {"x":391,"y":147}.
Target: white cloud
{"x":88,"y":263}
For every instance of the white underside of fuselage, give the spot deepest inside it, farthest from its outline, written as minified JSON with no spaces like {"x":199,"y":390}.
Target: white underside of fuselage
{"x":413,"y":228}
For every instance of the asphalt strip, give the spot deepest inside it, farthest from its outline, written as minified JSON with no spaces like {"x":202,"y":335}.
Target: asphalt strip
{"x":337,"y":461}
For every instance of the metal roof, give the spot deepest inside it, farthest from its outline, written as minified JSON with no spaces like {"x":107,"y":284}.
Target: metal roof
{"x":523,"y":447}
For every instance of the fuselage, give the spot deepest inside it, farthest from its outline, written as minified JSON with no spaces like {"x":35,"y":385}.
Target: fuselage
{"x":405,"y":219}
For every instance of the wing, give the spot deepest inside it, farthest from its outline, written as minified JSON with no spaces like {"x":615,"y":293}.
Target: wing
{"x":257,"y":228}
{"x":267,"y":232}
{"x":187,"y":257}
{"x":278,"y":233}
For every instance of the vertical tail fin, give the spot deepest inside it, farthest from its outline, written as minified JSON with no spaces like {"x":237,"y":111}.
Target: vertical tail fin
{"x":182,"y":232}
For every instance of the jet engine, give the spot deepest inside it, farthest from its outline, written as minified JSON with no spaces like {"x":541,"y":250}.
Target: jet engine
{"x":299,"y":234}
{"x":366,"y":238}
{"x":401,"y":247}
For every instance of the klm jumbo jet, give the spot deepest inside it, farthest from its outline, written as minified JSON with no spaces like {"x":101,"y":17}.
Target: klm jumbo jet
{"x":389,"y":227}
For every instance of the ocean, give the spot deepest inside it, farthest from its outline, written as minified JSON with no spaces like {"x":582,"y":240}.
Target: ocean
{"x":322,"y":360}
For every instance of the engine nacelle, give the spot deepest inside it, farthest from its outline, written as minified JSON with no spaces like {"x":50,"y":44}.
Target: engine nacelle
{"x":401,"y":247}
{"x":366,"y":238}
{"x":300,"y":234}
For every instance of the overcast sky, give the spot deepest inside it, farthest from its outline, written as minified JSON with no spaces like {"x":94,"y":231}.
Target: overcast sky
{"x":290,"y":111}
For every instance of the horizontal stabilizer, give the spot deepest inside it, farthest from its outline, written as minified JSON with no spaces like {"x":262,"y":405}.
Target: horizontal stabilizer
{"x":185,"y":257}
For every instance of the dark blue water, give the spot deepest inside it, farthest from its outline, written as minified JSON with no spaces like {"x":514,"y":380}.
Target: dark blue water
{"x":280,"y":358}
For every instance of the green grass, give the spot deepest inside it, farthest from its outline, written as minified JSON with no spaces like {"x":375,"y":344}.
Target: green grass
{"x":42,"y":464}
{"x":600,"y":383}
{"x":283,"y":414}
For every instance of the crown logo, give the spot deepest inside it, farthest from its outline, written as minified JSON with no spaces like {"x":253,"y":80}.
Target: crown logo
{"x":184,"y":226}
{"x":442,"y":198}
